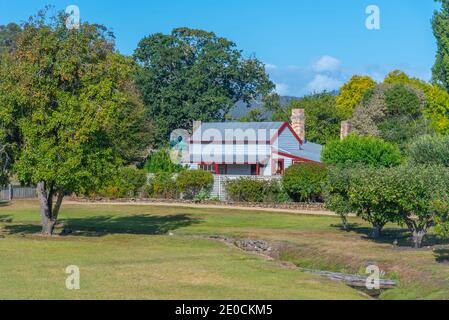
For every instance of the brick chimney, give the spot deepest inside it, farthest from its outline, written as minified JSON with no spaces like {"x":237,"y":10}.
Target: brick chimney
{"x":346,"y":128}
{"x":299,"y":123}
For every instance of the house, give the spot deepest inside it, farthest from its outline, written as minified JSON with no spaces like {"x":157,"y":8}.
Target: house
{"x":259,"y":149}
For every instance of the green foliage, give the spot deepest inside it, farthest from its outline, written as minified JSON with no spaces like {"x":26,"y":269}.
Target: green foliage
{"x":361,"y":150}
{"x":160,"y":161}
{"x":323,"y":120}
{"x":415,"y":196}
{"x":192,"y":182}
{"x":195,"y":75}
{"x":304,"y":182}
{"x":127,"y":183}
{"x":69,"y":110}
{"x":162,"y":186}
{"x":8,"y":36}
{"x":393,"y":112}
{"x":432,"y":150}
{"x":336,"y":193}
{"x":440,"y":25}
{"x":254,"y":115}
{"x":437,"y":99}
{"x":367,"y":190}
{"x":352,"y":93}
{"x":247,"y":189}
{"x":68,"y":125}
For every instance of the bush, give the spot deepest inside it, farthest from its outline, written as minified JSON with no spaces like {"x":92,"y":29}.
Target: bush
{"x":251,"y":190}
{"x":429,"y":150}
{"x":304,"y":182}
{"x":127,"y":183}
{"x":192,"y":182}
{"x":160,"y":162}
{"x":361,"y":150}
{"x":162,"y":186}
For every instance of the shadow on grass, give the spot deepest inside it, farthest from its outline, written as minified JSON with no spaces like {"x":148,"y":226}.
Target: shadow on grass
{"x":105,"y":225}
{"x":442,"y":256}
{"x":5,"y":219}
{"x":4,"y":203}
{"x":401,"y":237}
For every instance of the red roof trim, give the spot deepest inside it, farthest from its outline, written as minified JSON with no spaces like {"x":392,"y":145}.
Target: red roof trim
{"x":287,"y":155}
{"x":286,"y":125}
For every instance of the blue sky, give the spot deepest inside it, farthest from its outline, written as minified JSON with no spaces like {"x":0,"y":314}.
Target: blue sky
{"x":307,"y":45}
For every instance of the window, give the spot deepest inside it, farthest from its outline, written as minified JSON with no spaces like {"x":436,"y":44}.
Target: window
{"x":207,"y":167}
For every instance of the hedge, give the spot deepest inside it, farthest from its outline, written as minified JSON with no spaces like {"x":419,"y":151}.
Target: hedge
{"x":304,"y":182}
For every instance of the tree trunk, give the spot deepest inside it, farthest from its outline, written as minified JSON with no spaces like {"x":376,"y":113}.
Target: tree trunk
{"x":49,"y":214}
{"x":418,"y":237}
{"x":344,"y":222}
{"x":377,"y":230}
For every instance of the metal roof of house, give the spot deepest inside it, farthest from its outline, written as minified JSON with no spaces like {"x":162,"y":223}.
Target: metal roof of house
{"x":310,"y":151}
{"x":269,"y":128}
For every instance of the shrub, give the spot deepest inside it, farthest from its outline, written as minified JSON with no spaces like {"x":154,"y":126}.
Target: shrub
{"x":304,"y":182}
{"x":127,"y":183}
{"x":429,"y":150}
{"x":162,"y":186}
{"x":160,"y":161}
{"x":247,"y":189}
{"x":192,"y":182}
{"x":361,"y":150}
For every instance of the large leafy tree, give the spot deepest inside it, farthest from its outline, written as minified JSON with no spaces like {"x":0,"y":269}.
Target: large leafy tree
{"x":393,"y":112}
{"x":66,"y":98}
{"x":437,"y":99}
{"x":8,"y":36}
{"x":440,"y":25}
{"x":352,"y":93}
{"x":323,"y":119}
{"x":193,"y":75}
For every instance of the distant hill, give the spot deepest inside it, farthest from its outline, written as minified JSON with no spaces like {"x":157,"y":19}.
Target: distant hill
{"x":241,"y":109}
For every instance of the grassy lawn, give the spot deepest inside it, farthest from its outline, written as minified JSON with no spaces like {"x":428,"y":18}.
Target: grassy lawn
{"x":148,"y":252}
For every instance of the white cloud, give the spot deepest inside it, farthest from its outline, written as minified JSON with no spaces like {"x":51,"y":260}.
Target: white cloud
{"x":326,"y":64}
{"x":282,"y":88}
{"x":324,"y":83}
{"x":269,"y":66}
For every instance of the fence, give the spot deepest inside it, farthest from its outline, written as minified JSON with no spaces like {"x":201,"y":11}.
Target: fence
{"x":17,"y":192}
{"x":219,"y":189}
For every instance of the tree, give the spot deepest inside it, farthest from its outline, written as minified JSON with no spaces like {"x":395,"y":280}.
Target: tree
{"x":64,"y":97}
{"x":352,"y":93}
{"x":437,"y":99}
{"x":160,"y":162}
{"x":336,"y":193}
{"x":440,"y":25}
{"x":419,"y":195}
{"x":367,"y":190}
{"x":323,"y":120}
{"x":8,"y":37}
{"x":4,"y":165}
{"x":355,"y":150}
{"x":254,"y":115}
{"x":430,"y":150}
{"x":393,"y":112}
{"x":194,"y":75}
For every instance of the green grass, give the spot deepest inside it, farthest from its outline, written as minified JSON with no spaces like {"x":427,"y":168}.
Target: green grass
{"x":127,"y":252}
